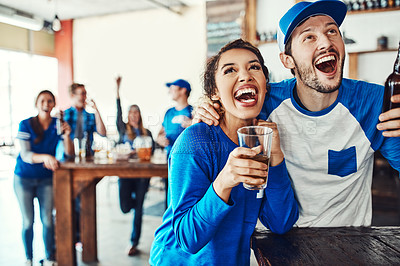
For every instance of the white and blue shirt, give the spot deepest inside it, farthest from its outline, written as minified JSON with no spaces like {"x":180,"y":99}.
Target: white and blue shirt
{"x":48,"y":145}
{"x":329,"y":154}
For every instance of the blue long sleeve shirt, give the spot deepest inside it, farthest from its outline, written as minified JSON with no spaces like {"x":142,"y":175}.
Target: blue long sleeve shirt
{"x":198,"y":227}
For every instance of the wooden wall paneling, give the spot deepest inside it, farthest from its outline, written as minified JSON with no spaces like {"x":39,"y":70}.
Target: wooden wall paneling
{"x":250,"y":26}
{"x":64,"y":54}
{"x":353,"y":65}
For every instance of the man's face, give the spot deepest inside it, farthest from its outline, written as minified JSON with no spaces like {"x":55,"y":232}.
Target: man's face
{"x":176,"y":92}
{"x":318,"y":53}
{"x":78,"y":98}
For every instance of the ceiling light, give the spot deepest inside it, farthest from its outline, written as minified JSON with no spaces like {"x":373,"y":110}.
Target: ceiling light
{"x":20,"y":19}
{"x":56,"y":24}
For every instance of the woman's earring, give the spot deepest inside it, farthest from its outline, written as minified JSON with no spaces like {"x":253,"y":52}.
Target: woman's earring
{"x":215,"y":98}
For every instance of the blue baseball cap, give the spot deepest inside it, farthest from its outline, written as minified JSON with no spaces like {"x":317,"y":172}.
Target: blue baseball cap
{"x":303,"y":10}
{"x":180,"y":83}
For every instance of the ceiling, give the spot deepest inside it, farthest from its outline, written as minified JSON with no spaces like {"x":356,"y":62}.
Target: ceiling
{"x":73,"y":9}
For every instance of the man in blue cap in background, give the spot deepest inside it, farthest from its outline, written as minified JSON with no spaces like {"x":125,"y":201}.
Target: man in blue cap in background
{"x":177,"y":118}
{"x":328,"y":125}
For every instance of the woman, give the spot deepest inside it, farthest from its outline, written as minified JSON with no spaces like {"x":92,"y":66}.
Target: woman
{"x":34,"y":171}
{"x":132,"y":191}
{"x":211,"y":216}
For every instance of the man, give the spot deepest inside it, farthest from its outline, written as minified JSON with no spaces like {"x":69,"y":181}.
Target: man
{"x":176,"y":119}
{"x":327,"y":124}
{"x":83,"y":123}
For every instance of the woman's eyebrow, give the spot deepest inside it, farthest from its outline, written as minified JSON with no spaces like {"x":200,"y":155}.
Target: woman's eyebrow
{"x":227,"y":64}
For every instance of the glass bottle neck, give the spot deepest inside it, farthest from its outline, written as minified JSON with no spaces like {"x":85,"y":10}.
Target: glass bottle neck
{"x":396,"y":67}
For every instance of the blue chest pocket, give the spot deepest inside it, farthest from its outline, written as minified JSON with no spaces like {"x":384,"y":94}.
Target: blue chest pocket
{"x":342,"y":163}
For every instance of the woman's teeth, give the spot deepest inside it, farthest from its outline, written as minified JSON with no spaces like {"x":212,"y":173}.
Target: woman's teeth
{"x":245,"y":95}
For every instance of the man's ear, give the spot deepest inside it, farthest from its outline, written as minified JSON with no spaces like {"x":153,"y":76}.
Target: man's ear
{"x":287,"y":61}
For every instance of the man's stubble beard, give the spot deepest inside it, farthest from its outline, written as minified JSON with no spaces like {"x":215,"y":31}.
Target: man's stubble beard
{"x":310,"y":79}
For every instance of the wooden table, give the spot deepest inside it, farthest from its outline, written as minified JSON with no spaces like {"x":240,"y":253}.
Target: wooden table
{"x":328,"y":246}
{"x":73,"y":179}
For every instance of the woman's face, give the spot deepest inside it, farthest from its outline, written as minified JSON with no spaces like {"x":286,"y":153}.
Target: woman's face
{"x":133,"y":117}
{"x":45,"y":103}
{"x":241,"y":84}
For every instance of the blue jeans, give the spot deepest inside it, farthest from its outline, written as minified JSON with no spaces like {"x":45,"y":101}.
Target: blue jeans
{"x":131,"y":196}
{"x":26,"y":189}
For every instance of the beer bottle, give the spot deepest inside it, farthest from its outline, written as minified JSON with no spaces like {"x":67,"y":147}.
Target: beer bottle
{"x":59,"y":122}
{"x":392,"y":85}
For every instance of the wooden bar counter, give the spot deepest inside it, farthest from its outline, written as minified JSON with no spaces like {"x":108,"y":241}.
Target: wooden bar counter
{"x":328,"y":246}
{"x":80,"y":178}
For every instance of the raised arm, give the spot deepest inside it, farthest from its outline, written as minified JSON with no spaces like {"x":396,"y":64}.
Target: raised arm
{"x":120,"y":122}
{"x":100,"y":127}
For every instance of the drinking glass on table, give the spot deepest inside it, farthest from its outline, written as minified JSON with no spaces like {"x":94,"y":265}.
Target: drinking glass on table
{"x":260,"y":138}
{"x":143,"y":147}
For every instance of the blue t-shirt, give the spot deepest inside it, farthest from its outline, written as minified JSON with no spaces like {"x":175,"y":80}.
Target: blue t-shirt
{"x":46,"y":146}
{"x":201,"y":229}
{"x":172,"y":123}
{"x":329,"y":154}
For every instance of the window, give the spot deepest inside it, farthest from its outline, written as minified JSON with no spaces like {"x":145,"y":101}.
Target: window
{"x":22,"y":77}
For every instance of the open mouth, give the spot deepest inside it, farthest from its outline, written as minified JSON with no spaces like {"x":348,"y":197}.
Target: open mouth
{"x":326,"y":64}
{"x":246,"y":95}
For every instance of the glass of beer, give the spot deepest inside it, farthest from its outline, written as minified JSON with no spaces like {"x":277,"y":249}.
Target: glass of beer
{"x":255,"y":137}
{"x":143,"y":146}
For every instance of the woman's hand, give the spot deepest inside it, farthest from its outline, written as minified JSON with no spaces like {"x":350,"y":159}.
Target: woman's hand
{"x":118,"y":81}
{"x":50,"y":162}
{"x":276,"y":152}
{"x":66,"y":129}
{"x":239,"y":168}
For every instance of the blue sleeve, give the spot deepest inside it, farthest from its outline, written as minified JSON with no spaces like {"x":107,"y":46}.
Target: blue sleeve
{"x":93,"y":124}
{"x":197,"y":210}
{"x":279,"y":210}
{"x":390,"y":149}
{"x":277,"y":93}
{"x":366,"y":110}
{"x":121,"y":127}
{"x":164,"y":123}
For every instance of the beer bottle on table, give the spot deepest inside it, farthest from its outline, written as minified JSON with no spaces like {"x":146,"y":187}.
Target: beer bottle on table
{"x":392,"y":85}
